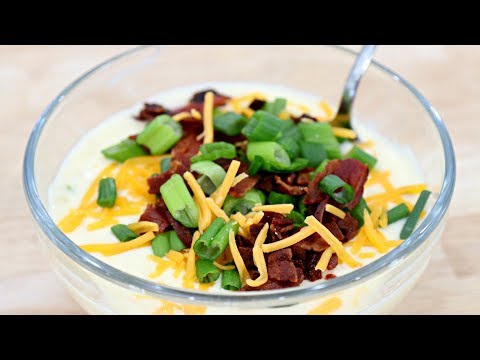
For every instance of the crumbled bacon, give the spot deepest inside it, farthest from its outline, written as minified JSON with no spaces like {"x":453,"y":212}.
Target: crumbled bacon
{"x":352,"y":171}
{"x":185,"y":149}
{"x":197,"y":102}
{"x":150,"y":112}
{"x":313,"y":242}
{"x":182,"y":232}
{"x":242,"y":187}
{"x":330,"y":276}
{"x":157,"y":215}
{"x":312,"y":260}
{"x":247,"y":256}
{"x":155,"y":182}
{"x":280,"y":266}
{"x":332,"y":264}
{"x":284,"y":188}
{"x":348,"y":226}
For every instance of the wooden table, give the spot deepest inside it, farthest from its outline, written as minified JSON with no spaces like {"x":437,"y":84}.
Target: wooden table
{"x":30,"y":77}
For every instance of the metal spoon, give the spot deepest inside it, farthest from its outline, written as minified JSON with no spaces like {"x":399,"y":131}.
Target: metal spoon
{"x":362,"y":62}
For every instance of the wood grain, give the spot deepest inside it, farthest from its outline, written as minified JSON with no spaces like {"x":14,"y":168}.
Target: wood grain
{"x":30,"y":77}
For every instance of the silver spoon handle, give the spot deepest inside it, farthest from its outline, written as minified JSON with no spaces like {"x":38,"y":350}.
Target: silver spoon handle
{"x":361,"y":65}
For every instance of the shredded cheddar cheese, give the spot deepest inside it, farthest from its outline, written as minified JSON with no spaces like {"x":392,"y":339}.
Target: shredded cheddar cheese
{"x":289,"y":241}
{"x":239,"y":178}
{"x":366,"y":255}
{"x":217,"y":210}
{"x":327,"y":110}
{"x":221,"y":193}
{"x":259,"y":259}
{"x":143,"y":227}
{"x":372,"y":234}
{"x":117,"y":248}
{"x":201,"y":200}
{"x":332,"y":241}
{"x":223,"y":267}
{"x":344,"y":133}
{"x":181,"y":116}
{"x":324,"y":259}
{"x":208,"y":118}
{"x":327,"y":307}
{"x":196,"y":114}
{"x":237,"y":258}
{"x":277,"y":208}
{"x":190,"y":268}
{"x":335,"y":211}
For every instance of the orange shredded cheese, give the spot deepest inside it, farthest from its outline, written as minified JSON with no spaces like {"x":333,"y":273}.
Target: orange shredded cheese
{"x":332,"y":241}
{"x":335,"y":211}
{"x":117,"y":248}
{"x":327,"y":307}
{"x":201,"y":200}
{"x":372,"y":234}
{"x":181,"y":116}
{"x":223,"y":267}
{"x":217,"y":210}
{"x":277,"y":208}
{"x":289,"y":241}
{"x":327,"y":110}
{"x":208,"y":118}
{"x":143,"y":227}
{"x":366,"y":255}
{"x":239,"y":178}
{"x":259,"y":259}
{"x":237,"y":258}
{"x":344,"y":133}
{"x":221,"y":193}
{"x":196,"y":114}
{"x":324,"y":259}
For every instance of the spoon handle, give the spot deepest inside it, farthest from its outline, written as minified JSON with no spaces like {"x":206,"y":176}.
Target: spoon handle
{"x":361,"y":65}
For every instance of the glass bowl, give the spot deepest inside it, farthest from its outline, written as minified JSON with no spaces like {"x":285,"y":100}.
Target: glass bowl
{"x":386,"y":102}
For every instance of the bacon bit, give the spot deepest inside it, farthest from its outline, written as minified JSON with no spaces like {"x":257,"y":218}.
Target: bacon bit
{"x":330,"y":276}
{"x":284,"y":188}
{"x":332,"y":264}
{"x":156,"y":215}
{"x":281,"y":268}
{"x":150,"y":112}
{"x":182,"y":232}
{"x":242,"y":187}
{"x":351,"y":171}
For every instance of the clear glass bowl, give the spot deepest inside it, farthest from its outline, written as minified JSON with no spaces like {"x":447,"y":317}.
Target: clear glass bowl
{"x":385,"y":102}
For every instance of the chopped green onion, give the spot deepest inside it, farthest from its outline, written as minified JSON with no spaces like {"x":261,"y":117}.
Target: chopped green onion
{"x":273,"y":154}
{"x":175,"y":243}
{"x":202,"y":245}
{"x":275,"y":107}
{"x":107,"y":193}
{"x":314,"y":152}
{"x":321,"y":167}
{"x":298,"y":219}
{"x":244,"y":204}
{"x":160,"y":135}
{"x":255,"y":165}
{"x":357,"y":212}
{"x":321,"y":133}
{"x":165,"y":164}
{"x":206,"y":272}
{"x":231,"y":280}
{"x":337,"y":189}
{"x":215,"y":151}
{"x":212,"y":175}
{"x":220,"y":242}
{"x":415,"y":215}
{"x":290,"y":145}
{"x":124,"y":150}
{"x":277,"y":198}
{"x":291,"y":131}
{"x":161,"y":244}
{"x":399,"y":212}
{"x":229,"y":123}
{"x":263,"y":126}
{"x":179,"y":201}
{"x":123,"y":233}
{"x":296,"y":165}
{"x":364,"y":157}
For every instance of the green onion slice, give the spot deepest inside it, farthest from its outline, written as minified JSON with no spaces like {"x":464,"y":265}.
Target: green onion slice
{"x":212,"y":175}
{"x":364,"y":157}
{"x":179,"y":201}
{"x":415,"y":215}
{"x":107,"y":193}
{"x":161,"y":134}
{"x":399,"y":212}
{"x":337,"y":189}
{"x":123,"y":233}
{"x":206,"y":272}
{"x":123,"y":151}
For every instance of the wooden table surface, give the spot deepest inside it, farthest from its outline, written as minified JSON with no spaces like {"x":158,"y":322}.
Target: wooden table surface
{"x":449,"y":76}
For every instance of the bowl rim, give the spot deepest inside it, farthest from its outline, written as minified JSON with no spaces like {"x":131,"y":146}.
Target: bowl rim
{"x":244,"y":299}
